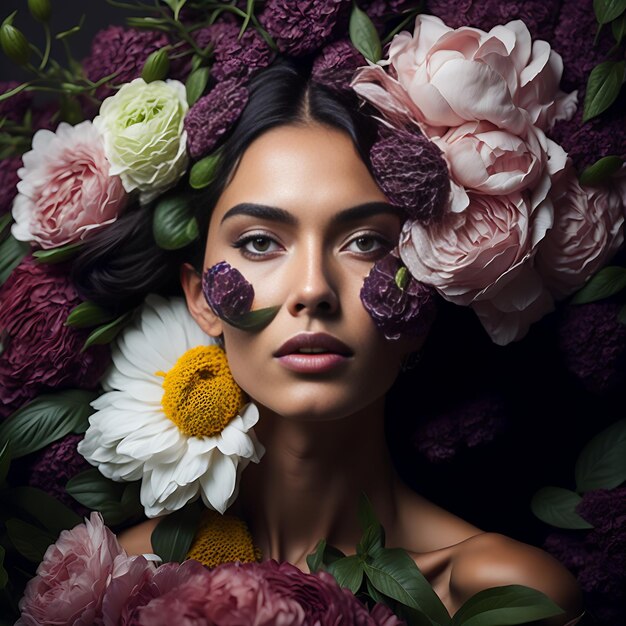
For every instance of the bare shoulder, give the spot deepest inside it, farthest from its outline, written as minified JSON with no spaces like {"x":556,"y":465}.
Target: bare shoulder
{"x":137,"y":539}
{"x":492,"y":560}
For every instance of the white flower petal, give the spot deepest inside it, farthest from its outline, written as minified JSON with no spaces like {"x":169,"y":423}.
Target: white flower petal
{"x":218,"y":484}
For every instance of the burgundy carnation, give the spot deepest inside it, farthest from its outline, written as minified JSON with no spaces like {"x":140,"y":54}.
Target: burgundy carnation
{"x":300,"y":28}
{"x":539,"y":15}
{"x":8,"y":182}
{"x":52,"y":467}
{"x":593,"y":344}
{"x":234,"y":57}
{"x":213,"y":116}
{"x":605,"y":509}
{"x":396,"y":311}
{"x":336,"y":64}
{"x":381,"y":10}
{"x":15,"y":107}
{"x":473,"y":423}
{"x":227,"y":292}
{"x":412,"y":172}
{"x":121,"y":50}
{"x":41,"y":353}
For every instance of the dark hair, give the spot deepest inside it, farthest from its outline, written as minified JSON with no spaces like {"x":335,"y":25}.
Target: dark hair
{"x":120,"y":264}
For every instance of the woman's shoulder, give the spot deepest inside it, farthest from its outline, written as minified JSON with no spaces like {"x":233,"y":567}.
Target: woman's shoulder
{"x":492,"y":560}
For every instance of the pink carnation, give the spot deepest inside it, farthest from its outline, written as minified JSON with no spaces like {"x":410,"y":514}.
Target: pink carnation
{"x":65,"y":190}
{"x":71,"y":579}
{"x":588,"y":230}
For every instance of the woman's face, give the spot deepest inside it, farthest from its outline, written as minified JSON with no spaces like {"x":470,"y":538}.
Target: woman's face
{"x":303,"y":221}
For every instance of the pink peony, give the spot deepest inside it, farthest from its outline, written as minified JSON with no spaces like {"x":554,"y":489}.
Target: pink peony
{"x":588,"y":230}
{"x":72,"y":578}
{"x":65,"y":189}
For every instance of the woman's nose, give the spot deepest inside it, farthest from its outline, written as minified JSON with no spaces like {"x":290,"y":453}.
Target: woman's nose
{"x":313,"y":290}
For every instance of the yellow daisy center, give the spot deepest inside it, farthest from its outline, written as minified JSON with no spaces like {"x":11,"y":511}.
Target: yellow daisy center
{"x":222,"y":539}
{"x":200,"y":395}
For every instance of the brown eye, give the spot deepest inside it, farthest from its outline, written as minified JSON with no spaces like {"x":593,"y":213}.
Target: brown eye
{"x":366,"y":244}
{"x":260,"y":244}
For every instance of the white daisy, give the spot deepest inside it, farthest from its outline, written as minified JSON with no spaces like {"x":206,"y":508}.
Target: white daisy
{"x":172,"y":415}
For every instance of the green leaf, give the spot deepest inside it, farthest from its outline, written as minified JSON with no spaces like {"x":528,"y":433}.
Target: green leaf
{"x":52,"y":514}
{"x":603,"y":87}
{"x":402,"y":278}
{"x":607,"y":282}
{"x":4,"y":577}
{"x":618,"y":28}
{"x":371,"y":542}
{"x":607,"y":10}
{"x":5,"y":461}
{"x":5,"y":220}
{"x":87,"y":314}
{"x":12,"y":252}
{"x":196,"y":84}
{"x":315,"y":560}
{"x":46,"y":419}
{"x":156,"y":66}
{"x":176,"y":6}
{"x":31,"y":542}
{"x":414,"y":617}
{"x":57,"y":255}
{"x":363,"y":35}
{"x":556,"y":506}
{"x":602,"y":462}
{"x":394,"y":573}
{"x":174,"y":225}
{"x":348,"y":572}
{"x":107,"y":332}
{"x":504,"y":606}
{"x":174,"y":533}
{"x":621,"y":316}
{"x":204,"y":171}
{"x":71,"y":31}
{"x":254,"y":320}
{"x":373,"y":593}
{"x":600,"y":171}
{"x":9,"y":94}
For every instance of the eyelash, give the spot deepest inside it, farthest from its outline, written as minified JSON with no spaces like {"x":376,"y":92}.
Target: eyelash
{"x":243,"y":241}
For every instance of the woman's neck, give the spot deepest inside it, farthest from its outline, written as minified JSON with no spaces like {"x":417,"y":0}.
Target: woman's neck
{"x":307,"y":485}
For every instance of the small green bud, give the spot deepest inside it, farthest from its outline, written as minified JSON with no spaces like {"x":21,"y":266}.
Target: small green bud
{"x":156,"y":67}
{"x":402,"y":278}
{"x":14,"y":44}
{"x":40,"y":9}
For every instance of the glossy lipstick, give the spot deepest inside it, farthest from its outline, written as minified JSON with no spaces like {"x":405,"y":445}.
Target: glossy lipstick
{"x":313,"y":353}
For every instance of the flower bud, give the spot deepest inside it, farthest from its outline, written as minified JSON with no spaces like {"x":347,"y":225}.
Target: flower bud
{"x":156,"y":66}
{"x":40,"y":9}
{"x":14,"y":44}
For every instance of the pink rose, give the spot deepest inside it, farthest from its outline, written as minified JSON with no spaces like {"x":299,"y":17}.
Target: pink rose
{"x":587,"y":231}
{"x":72,"y":578}
{"x":65,"y":189}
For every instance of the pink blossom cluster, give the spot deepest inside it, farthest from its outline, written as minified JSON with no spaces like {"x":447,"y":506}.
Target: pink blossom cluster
{"x":518,"y":231}
{"x":87,"y":578}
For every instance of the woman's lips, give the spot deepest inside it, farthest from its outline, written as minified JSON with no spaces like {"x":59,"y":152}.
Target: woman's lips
{"x":311,"y":353}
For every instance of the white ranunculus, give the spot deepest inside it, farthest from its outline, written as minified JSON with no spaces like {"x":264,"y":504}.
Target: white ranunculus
{"x":144,"y":137}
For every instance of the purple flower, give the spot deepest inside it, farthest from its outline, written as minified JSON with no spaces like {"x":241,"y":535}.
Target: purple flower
{"x":214,"y":115}
{"x":121,"y":50}
{"x":8,"y":182}
{"x":300,"y":28}
{"x":592,"y":343}
{"x":228,"y":293}
{"x":335,"y":65}
{"x":396,"y":310}
{"x":234,"y":57}
{"x":473,"y":423}
{"x":539,"y":15}
{"x":52,"y":467}
{"x":41,"y":353}
{"x":16,"y":106}
{"x":378,"y":10}
{"x":606,"y":510}
{"x":412,"y":172}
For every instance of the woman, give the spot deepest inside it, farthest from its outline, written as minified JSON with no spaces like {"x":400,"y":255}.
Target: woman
{"x":295,"y":208}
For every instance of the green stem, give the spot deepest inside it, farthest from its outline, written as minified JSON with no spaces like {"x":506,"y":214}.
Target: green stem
{"x":46,"y":53}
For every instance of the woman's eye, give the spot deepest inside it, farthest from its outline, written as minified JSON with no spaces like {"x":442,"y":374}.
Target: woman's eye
{"x":366,"y":244}
{"x":256,"y":245}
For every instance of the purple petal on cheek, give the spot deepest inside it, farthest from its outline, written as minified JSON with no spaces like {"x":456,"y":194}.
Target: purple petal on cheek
{"x":227,"y":292}
{"x":396,"y":310}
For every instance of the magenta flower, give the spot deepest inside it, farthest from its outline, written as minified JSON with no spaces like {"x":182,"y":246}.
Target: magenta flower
{"x":397,"y":309}
{"x":227,"y":292}
{"x":39,"y":351}
{"x":209,"y":119}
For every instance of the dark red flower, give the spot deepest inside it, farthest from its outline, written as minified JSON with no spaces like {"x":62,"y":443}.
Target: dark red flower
{"x":335,"y":65}
{"x":227,"y":292}
{"x":40,"y":353}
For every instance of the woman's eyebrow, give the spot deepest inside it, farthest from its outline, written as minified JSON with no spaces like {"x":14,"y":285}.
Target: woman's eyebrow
{"x":275,"y":214}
